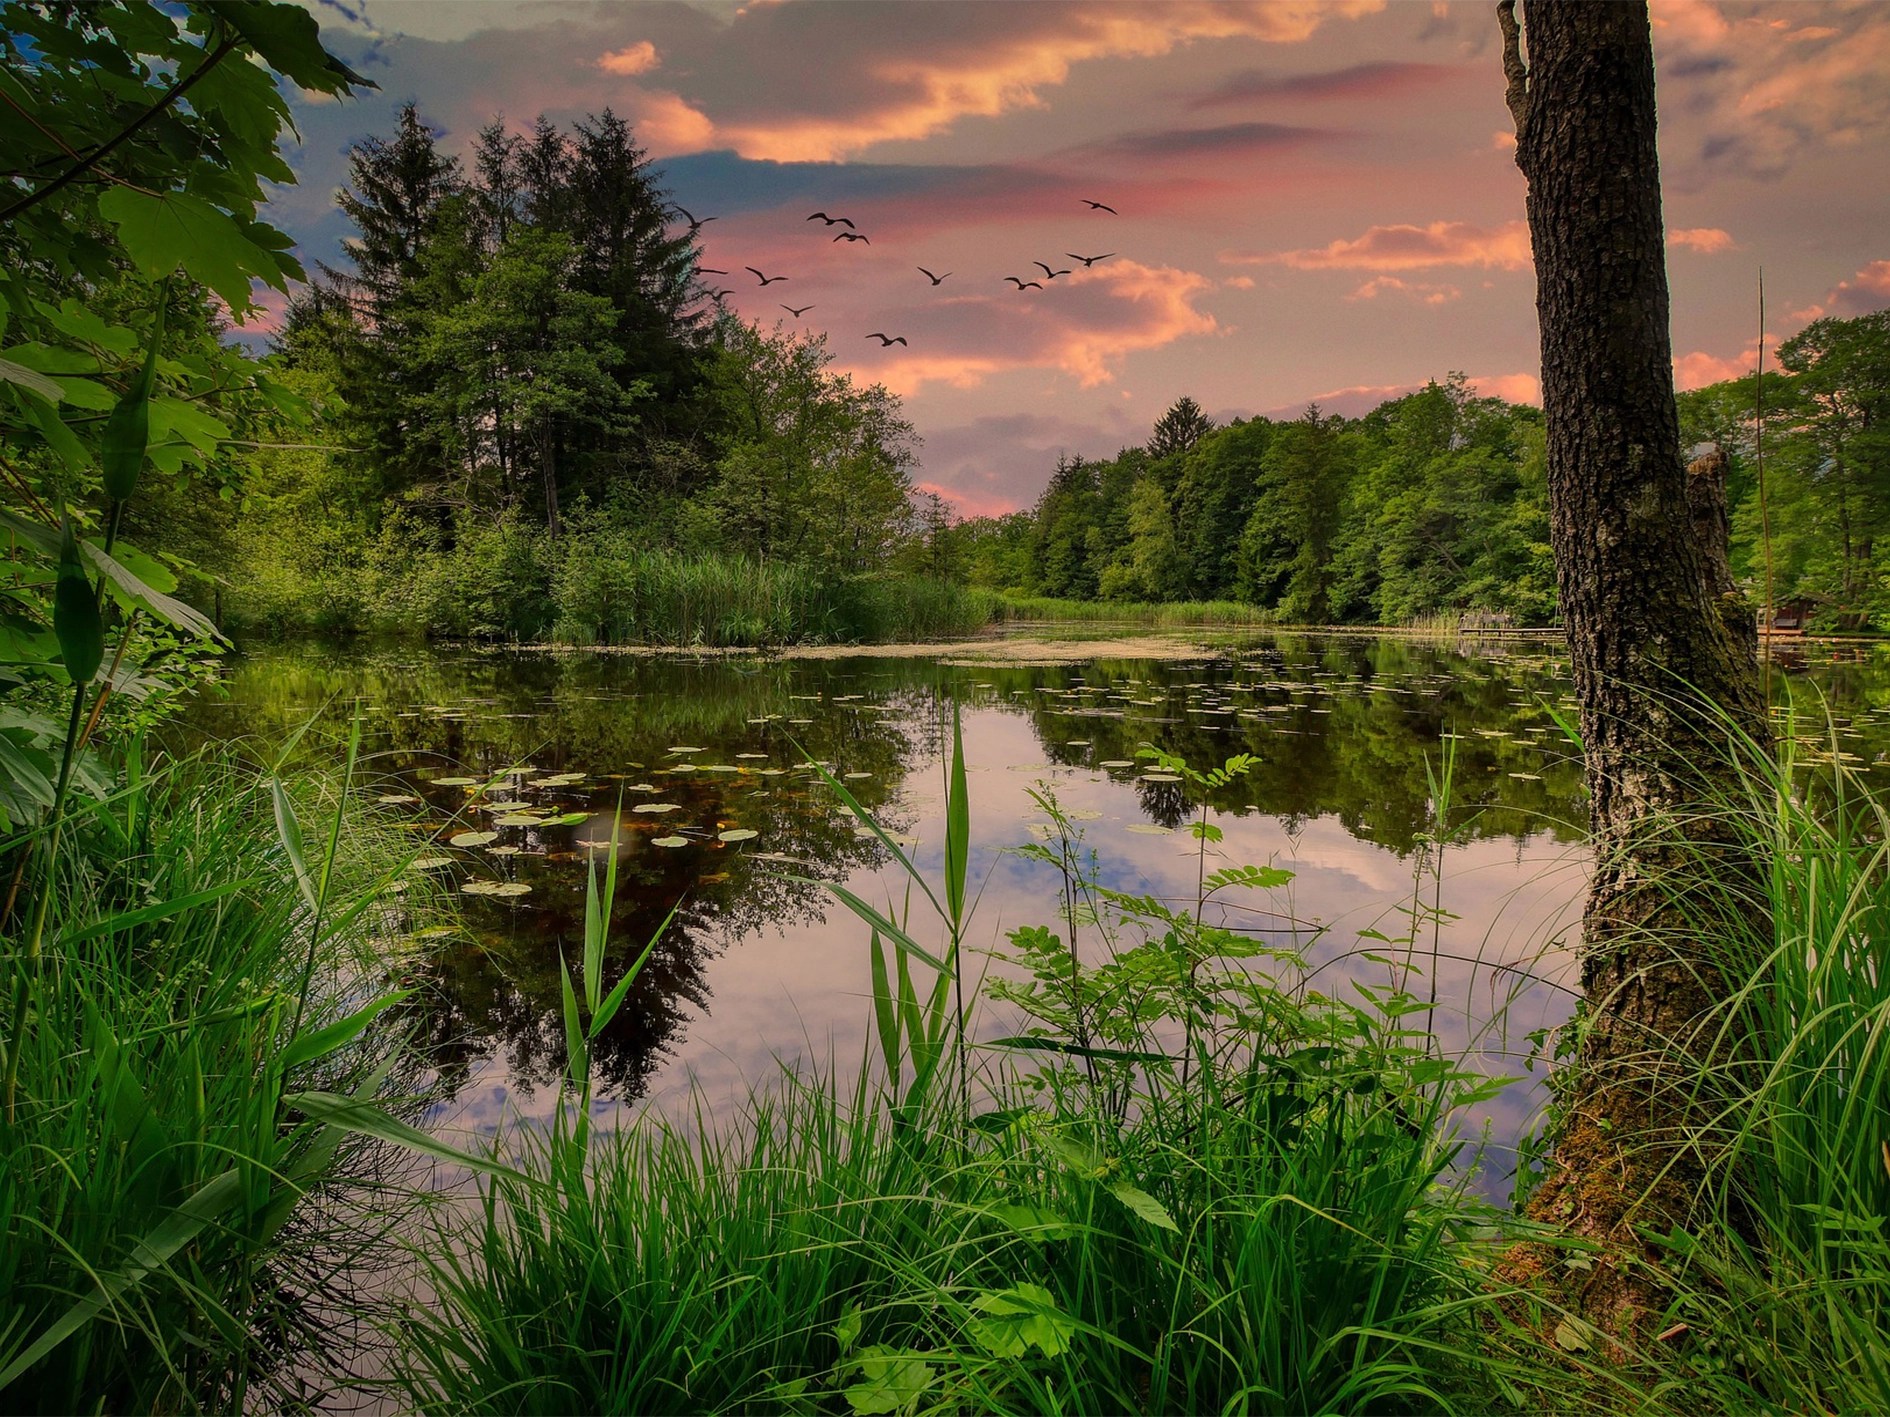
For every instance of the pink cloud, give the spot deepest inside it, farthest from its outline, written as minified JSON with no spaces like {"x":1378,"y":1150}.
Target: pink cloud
{"x":1749,"y":88}
{"x":638,"y":58}
{"x":1863,"y":294}
{"x":917,"y":90}
{"x":1512,"y":388}
{"x":1403,"y":247}
{"x":1411,"y":290}
{"x":1082,"y":325}
{"x":1702,"y":367}
{"x":1707,"y":240}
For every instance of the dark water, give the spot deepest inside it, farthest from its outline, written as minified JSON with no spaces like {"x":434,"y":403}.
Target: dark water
{"x":757,"y":966}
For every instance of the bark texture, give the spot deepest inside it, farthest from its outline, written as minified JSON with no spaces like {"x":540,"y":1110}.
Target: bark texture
{"x":1655,"y":662}
{"x":1712,"y":534}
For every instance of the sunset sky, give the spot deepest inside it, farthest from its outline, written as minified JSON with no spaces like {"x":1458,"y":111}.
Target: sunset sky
{"x":1316,"y":200}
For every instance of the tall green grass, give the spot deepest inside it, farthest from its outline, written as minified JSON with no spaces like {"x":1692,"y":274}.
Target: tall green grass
{"x":159,"y":1245}
{"x":1183,"y":1188}
{"x":618,"y":594}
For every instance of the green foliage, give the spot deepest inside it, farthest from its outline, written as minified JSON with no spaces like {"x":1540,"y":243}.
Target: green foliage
{"x":1431,"y":505}
{"x":1827,"y":469}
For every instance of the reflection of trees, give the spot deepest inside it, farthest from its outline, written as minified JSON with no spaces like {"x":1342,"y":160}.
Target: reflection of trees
{"x":1338,"y":727}
{"x":500,"y":993}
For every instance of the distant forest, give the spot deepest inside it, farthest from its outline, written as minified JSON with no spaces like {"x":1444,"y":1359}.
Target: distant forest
{"x":535,"y":392}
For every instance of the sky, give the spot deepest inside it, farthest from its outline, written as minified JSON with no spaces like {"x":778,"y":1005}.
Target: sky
{"x":1314,"y":200}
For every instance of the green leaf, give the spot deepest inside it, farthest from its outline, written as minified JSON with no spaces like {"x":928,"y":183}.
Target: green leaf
{"x":1144,"y":1205}
{"x":164,"y":910}
{"x":33,"y":383}
{"x":289,"y":832}
{"x":1020,"y":1318}
{"x":890,"y":1382}
{"x":355,"y":1115}
{"x":322,"y":1041}
{"x":577,"y":1056}
{"x":957,"y":823}
{"x":162,"y":234}
{"x":1077,"y":1050}
{"x":288,"y":39}
{"x":169,"y":1236}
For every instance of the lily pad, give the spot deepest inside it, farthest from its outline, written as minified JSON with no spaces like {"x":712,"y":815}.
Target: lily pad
{"x":1149,"y":829}
{"x":516,"y":820}
{"x":751,"y":756}
{"x":567,"y":819}
{"x":641,"y":787}
{"x":473,"y":838}
{"x":512,"y":889}
{"x":480,"y":887}
{"x":656,"y":807}
{"x":670,"y":841}
{"x":397,"y":799}
{"x":432,"y":863}
{"x":1116,"y":763}
{"x":1161,"y":777}
{"x":686,"y":750}
{"x":855,"y":776}
{"x":506,"y":850}
{"x":739,"y":834}
{"x":455,"y":782}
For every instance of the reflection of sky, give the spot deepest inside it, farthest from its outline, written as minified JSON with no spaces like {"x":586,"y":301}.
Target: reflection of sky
{"x":797,"y":994}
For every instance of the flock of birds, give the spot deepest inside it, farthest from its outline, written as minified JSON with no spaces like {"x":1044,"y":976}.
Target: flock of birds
{"x":853,"y":234}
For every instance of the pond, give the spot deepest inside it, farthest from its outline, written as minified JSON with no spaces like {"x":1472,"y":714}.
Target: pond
{"x":701,"y":765}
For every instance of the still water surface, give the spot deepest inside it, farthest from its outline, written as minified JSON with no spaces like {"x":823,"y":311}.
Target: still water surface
{"x":702,"y":765}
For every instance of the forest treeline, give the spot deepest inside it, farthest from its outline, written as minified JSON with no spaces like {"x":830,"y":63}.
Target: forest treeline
{"x":547,"y":425}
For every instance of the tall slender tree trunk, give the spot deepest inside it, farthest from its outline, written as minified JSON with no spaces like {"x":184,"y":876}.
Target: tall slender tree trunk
{"x":548,"y":461}
{"x":1658,"y":670}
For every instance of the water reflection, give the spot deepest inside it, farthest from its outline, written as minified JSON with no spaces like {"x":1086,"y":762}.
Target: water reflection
{"x":1344,"y":734}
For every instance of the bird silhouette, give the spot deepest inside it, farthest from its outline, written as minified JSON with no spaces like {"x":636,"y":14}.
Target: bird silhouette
{"x":832,"y":220}
{"x":695,"y":223}
{"x":1089,"y":260}
{"x":797,"y":313}
{"x":765,"y":280}
{"x":1048,"y":273}
{"x":705,"y":271}
{"x":885,"y":340}
{"x":936,"y":280}
{"x":1098,"y":206}
{"x":1022,"y":284}
{"x":718,"y":296}
{"x":851,"y":236}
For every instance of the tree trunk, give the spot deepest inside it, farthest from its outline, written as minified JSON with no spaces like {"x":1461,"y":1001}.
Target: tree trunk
{"x":548,"y":460}
{"x":1659,"y":675}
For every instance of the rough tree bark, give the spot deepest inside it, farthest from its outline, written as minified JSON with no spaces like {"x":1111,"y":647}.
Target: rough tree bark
{"x":1658,"y":672}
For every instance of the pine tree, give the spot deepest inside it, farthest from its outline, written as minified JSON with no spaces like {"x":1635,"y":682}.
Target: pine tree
{"x":1179,"y":429}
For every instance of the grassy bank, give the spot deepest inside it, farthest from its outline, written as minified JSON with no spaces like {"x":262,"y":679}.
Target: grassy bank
{"x":596,"y":584}
{"x":1013,"y":608}
{"x":160,"y":1244}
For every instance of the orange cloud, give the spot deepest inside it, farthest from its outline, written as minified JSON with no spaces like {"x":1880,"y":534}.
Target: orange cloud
{"x":926,"y":94}
{"x":1407,"y":248}
{"x":667,"y":125}
{"x":1705,"y":239}
{"x":1700,"y":368}
{"x":638,"y":58}
{"x":1414,"y":290}
{"x":1512,"y":388}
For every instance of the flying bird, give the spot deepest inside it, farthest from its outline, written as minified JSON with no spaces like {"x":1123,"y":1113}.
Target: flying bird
{"x":1048,"y":273}
{"x":851,"y":236}
{"x":936,"y":280}
{"x":797,"y":313}
{"x":718,"y":296}
{"x":885,"y":340}
{"x":1098,"y":206}
{"x":1089,"y":260}
{"x":765,"y":280}
{"x":705,"y":271}
{"x":832,"y":220}
{"x":1022,"y":284}
{"x":695,"y":223}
